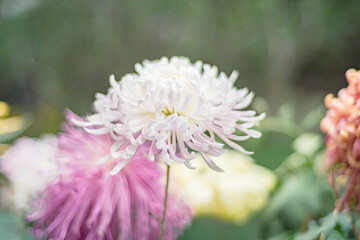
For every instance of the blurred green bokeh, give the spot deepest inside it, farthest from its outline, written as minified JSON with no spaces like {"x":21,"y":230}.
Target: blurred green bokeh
{"x":55,"y":54}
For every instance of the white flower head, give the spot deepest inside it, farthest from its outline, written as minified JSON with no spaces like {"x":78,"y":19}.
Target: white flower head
{"x":176,"y":106}
{"x":29,"y":165}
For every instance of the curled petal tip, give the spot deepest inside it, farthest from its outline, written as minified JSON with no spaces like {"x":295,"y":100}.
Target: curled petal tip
{"x":262,"y":116}
{"x":102,"y":160}
{"x":112,"y":81}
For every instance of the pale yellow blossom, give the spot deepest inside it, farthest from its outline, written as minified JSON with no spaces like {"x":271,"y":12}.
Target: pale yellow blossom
{"x":235,"y":194}
{"x":9,"y":124}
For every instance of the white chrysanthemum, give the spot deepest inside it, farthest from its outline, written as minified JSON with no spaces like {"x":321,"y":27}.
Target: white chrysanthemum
{"x":235,"y":195}
{"x":179,"y":107}
{"x":29,"y":166}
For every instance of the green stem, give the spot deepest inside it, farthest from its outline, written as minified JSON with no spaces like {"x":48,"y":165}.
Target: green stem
{"x":165,"y":203}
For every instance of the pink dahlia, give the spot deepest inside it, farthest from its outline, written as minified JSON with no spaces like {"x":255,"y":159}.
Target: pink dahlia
{"x":89,"y":203}
{"x":342,"y":126}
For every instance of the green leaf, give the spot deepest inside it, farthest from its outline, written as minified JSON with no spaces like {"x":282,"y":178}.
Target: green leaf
{"x":12,"y":227}
{"x":308,"y":143}
{"x":335,"y":235}
{"x":331,"y":227}
{"x":302,"y":196}
{"x":287,"y":111}
{"x":282,"y":236}
{"x":313,"y":118}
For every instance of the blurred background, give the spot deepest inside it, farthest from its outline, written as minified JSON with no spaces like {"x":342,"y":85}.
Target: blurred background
{"x":56,"y":54}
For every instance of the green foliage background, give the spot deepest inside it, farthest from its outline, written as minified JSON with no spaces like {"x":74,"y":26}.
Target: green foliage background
{"x":56,"y":54}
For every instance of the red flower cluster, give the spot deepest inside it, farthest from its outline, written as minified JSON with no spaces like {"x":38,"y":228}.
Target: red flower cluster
{"x":342,"y":126}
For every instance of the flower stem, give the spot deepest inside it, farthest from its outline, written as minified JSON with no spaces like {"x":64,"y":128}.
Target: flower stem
{"x":354,"y":218}
{"x":165,"y":203}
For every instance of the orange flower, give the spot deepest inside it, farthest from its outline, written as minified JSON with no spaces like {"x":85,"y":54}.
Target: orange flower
{"x":342,"y":126}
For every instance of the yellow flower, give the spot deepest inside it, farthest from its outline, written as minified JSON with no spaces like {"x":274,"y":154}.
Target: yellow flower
{"x":232,"y":195}
{"x":9,"y":124}
{"x":4,"y":109}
